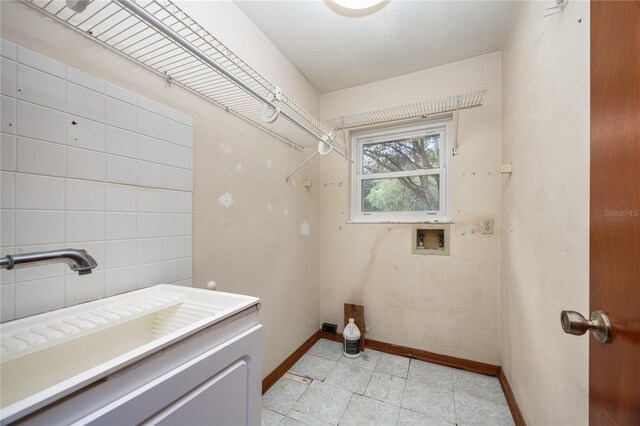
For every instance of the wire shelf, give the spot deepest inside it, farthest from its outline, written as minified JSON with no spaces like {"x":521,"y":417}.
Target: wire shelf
{"x":118,"y":27}
{"x":408,"y":111}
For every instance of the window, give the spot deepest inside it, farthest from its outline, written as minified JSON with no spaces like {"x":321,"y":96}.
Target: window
{"x":402,"y":174}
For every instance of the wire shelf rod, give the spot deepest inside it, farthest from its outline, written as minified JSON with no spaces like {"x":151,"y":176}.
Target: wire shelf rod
{"x":115,"y":25}
{"x":158,"y":52}
{"x":119,"y":27}
{"x":103,"y":20}
{"x":202,"y":77}
{"x":409,"y":111}
{"x":205,"y":42}
{"x":304,"y":163}
{"x":59,"y":11}
{"x":131,"y":50}
{"x":91,"y":16}
{"x":160,"y":26}
{"x":153,"y":39}
{"x":179,"y":40}
{"x":218,"y":86}
{"x":125,"y":36}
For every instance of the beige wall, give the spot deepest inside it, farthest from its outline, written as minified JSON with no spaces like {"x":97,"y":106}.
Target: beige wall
{"x":444,"y":304}
{"x":248,"y":247}
{"x":545,"y":238}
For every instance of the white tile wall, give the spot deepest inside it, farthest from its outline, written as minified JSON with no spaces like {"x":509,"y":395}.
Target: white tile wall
{"x":86,"y":134}
{"x":119,"y":198}
{"x":9,"y":75}
{"x":86,"y":164}
{"x":39,"y":157}
{"x":40,"y":88}
{"x":7,"y":185}
{"x":119,"y":280}
{"x":8,"y":116}
{"x":39,"y":192}
{"x":123,"y":170}
{"x":122,"y":142}
{"x":119,"y":226}
{"x":7,"y":152}
{"x":150,"y":149}
{"x":85,"y":102}
{"x":39,"y":122}
{"x":85,"y":80}
{"x":123,"y":115}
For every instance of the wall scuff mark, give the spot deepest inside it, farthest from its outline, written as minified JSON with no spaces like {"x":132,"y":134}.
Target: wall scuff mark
{"x":305,"y":228}
{"x":225,"y":200}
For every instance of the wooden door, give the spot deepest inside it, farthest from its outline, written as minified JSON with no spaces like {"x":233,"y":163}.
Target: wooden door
{"x":614,"y":368}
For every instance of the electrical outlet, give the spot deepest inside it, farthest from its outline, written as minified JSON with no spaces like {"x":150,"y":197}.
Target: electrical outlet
{"x":487,"y":226}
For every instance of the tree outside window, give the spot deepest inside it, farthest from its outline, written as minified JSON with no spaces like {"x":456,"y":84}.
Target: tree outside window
{"x":403,"y":170}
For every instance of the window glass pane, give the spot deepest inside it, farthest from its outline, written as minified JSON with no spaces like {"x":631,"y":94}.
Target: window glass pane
{"x":417,"y":153}
{"x":412,"y":193}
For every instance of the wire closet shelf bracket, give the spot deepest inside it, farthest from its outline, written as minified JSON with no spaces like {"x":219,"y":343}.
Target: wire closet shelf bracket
{"x":163,"y":38}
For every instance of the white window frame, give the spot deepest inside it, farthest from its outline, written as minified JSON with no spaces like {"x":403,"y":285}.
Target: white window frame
{"x":359,"y":139}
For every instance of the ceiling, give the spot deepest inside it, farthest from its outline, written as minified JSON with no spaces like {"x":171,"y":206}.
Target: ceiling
{"x":334,"y":50}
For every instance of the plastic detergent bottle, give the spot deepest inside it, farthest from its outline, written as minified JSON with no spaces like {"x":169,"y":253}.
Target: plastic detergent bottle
{"x":351,"y":334}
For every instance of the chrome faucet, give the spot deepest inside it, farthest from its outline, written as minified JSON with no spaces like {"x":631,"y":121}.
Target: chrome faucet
{"x":78,"y":260}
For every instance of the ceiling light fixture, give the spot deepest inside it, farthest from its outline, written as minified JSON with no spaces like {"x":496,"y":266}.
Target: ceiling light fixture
{"x":357,"y":4}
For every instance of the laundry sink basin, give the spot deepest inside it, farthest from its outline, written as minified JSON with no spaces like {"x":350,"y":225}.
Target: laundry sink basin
{"x":48,"y":356}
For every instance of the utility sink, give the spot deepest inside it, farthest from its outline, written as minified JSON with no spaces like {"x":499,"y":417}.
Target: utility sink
{"x":48,"y":356}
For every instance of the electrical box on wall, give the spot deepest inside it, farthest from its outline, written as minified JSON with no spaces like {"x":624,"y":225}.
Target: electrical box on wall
{"x":487,"y":226}
{"x":430,"y":239}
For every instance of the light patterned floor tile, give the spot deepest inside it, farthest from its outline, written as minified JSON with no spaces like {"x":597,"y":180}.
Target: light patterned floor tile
{"x":366,"y":411}
{"x":271,"y":418}
{"x":425,"y":396}
{"x":385,"y":388}
{"x":393,"y":365}
{"x":306,"y":419}
{"x":312,"y":366}
{"x":323,"y":402}
{"x":478,"y":385}
{"x":411,"y":418}
{"x":475,"y":411}
{"x":367,"y":360}
{"x":428,"y":400}
{"x":283,"y":395}
{"x":349,"y":377}
{"x":433,"y":375}
{"x":288,"y":421}
{"x":326,"y":349}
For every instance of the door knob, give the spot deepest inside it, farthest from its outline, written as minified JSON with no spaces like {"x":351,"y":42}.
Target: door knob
{"x":574,"y":323}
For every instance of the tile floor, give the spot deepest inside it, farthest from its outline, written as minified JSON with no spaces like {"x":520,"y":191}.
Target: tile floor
{"x":326,"y":388}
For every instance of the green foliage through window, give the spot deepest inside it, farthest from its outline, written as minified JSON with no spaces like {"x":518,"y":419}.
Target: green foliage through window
{"x":410,"y":193}
{"x":405,"y":194}
{"x":402,"y":173}
{"x":402,"y":155}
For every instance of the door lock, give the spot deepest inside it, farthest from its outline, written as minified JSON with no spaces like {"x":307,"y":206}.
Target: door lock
{"x":574,"y":323}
